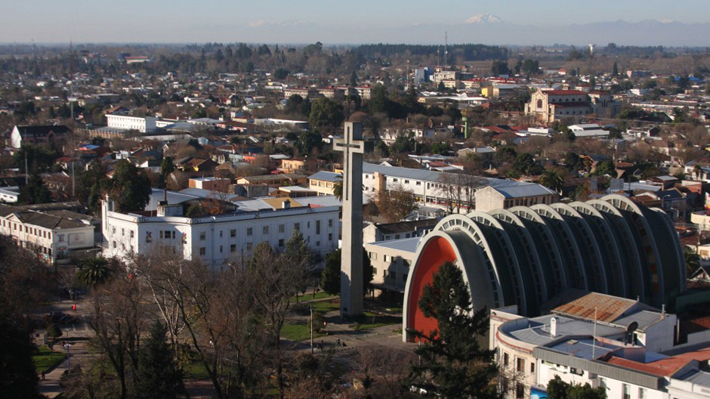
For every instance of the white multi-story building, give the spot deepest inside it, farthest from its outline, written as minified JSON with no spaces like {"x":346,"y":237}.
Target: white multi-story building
{"x":436,"y":188}
{"x":216,"y":239}
{"x":50,"y":237}
{"x":621,"y":345}
{"x":125,"y":122}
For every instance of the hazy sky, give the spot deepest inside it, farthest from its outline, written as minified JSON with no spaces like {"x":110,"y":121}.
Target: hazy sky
{"x":330,"y":21}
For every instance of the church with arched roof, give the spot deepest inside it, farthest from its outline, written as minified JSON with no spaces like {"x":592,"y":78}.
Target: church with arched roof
{"x":525,"y":256}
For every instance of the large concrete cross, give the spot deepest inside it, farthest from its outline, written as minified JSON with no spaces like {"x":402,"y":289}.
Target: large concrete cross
{"x":351,"y":289}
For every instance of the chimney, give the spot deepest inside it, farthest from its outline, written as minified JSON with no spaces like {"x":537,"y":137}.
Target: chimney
{"x":553,"y":327}
{"x":286,"y":204}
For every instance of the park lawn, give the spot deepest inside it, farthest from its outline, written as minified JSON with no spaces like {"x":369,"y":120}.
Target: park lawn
{"x":371,"y":320}
{"x":298,"y":332}
{"x":196,"y":371}
{"x":309,"y":297}
{"x":45,"y":358}
{"x":326,"y":306}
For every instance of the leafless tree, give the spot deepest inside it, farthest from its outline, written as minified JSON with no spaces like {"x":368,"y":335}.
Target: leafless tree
{"x":273,"y":281}
{"x":118,"y":320}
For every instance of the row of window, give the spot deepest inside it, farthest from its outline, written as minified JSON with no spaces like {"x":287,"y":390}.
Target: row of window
{"x":29,"y":230}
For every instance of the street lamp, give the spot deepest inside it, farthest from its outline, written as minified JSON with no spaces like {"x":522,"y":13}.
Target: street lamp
{"x":311,"y":308}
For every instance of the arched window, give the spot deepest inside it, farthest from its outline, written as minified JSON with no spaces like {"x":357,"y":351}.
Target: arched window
{"x":539,"y":104}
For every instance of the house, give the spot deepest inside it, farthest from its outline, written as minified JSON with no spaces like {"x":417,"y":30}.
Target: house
{"x":210,"y":183}
{"x":323,"y":182}
{"x":37,"y":134}
{"x":301,"y":165}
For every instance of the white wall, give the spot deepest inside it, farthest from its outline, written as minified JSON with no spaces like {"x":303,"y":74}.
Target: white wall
{"x":213,"y":235}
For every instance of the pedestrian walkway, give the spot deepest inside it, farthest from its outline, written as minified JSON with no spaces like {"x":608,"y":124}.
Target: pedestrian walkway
{"x":79,"y":354}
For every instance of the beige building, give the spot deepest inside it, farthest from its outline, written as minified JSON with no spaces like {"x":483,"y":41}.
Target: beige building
{"x":390,"y":262}
{"x":50,"y":236}
{"x":323,"y":182}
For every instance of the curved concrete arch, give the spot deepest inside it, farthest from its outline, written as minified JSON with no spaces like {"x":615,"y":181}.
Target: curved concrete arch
{"x":526,"y":250}
{"x":441,"y":247}
{"x":669,"y":254}
{"x":505,"y":285}
{"x":548,"y":252}
{"x":646,"y":244}
{"x":498,"y":237}
{"x":616,"y":273}
{"x":640,"y":287}
{"x":680,"y":258}
{"x":588,"y":246}
{"x":567,"y":246}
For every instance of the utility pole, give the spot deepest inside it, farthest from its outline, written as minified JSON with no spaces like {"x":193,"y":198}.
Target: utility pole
{"x":446,"y":48}
{"x":71,"y":78}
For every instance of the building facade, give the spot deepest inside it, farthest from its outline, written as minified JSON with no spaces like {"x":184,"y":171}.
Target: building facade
{"x":50,"y":237}
{"x":126,"y":122}
{"x":217,"y":239}
{"x":524,"y":256}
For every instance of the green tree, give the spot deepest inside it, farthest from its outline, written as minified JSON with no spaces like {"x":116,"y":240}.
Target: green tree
{"x":308,"y":141}
{"x":558,"y":389}
{"x":167,"y":167}
{"x":605,"y":167}
{"x":403,"y":143}
{"x":338,"y":190}
{"x":130,"y":188}
{"x":615,"y":69}
{"x":18,"y":377}
{"x":158,"y":374}
{"x":500,"y":67}
{"x":94,"y":271}
{"x":330,"y":278}
{"x":453,"y":365}
{"x":53,"y":331}
{"x":93,"y":184}
{"x":35,"y":192}
{"x":325,"y":114}
{"x":552,"y":180}
{"x":281,"y":73}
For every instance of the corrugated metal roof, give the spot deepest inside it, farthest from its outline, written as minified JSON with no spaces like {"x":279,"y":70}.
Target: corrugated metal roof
{"x":603,"y":308}
{"x":326,"y":176}
{"x":509,"y":188}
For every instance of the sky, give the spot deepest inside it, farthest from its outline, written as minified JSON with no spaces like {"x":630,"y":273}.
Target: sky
{"x":303,"y":21}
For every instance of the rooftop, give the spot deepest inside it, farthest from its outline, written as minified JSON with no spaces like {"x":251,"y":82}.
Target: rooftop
{"x":600,"y":307}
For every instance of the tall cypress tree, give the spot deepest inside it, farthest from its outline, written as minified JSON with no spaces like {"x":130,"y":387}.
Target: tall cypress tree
{"x":158,"y":374}
{"x":453,"y":365}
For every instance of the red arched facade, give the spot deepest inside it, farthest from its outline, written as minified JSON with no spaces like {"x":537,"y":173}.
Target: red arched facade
{"x":437,"y":252}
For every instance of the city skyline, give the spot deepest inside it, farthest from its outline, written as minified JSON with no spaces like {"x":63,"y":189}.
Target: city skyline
{"x":489,"y":22}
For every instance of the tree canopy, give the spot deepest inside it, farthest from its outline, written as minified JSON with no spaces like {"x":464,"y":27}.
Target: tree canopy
{"x":453,"y":365}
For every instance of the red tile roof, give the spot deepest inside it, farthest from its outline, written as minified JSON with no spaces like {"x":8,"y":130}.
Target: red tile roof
{"x":565,"y":92}
{"x":664,"y":367}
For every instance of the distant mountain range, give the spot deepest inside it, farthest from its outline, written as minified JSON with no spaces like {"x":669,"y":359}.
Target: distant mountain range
{"x":489,"y":29}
